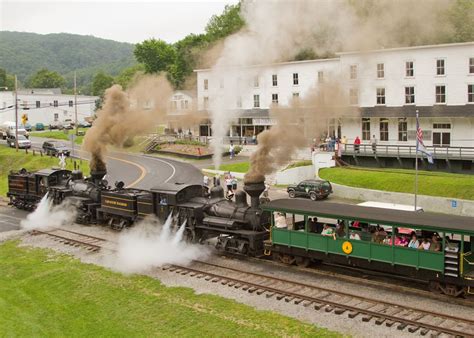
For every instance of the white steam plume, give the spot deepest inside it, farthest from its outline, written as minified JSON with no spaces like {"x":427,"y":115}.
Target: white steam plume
{"x":48,"y":215}
{"x":147,"y":245}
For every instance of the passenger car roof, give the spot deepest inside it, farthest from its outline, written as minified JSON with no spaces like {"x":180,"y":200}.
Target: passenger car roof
{"x":409,"y":219}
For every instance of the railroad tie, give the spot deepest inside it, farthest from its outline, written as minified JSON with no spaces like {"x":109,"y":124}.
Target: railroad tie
{"x":424,"y":331}
{"x":339,"y":311}
{"x":270,"y":294}
{"x":192,"y":274}
{"x":225,"y":282}
{"x":230,"y":283}
{"x":208,"y":278}
{"x":215,"y":280}
{"x":297,"y":301}
{"x":252,"y":289}
{"x":260,"y":291}
{"x":413,"y":329}
{"x":279,"y":296}
{"x":389,"y":323}
{"x":353,"y":314}
{"x":246,"y":287}
{"x":366,"y":318}
{"x":318,"y":306}
{"x":379,"y":320}
{"x":307,"y":303}
{"x":200,"y":275}
{"x":401,"y":326}
{"x":329,"y":308}
{"x":184,"y":272}
{"x":238,"y":286}
{"x":289,"y":298}
{"x":178,"y":270}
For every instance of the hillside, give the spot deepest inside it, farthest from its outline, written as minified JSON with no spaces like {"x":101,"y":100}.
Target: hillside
{"x":25,"y":53}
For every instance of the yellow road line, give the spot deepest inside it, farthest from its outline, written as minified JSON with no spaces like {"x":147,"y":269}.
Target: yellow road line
{"x":143,"y":170}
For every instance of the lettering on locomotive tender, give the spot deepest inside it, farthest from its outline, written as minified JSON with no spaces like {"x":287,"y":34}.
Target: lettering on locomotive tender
{"x":111,"y":202}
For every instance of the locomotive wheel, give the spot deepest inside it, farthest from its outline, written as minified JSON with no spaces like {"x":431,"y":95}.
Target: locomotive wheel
{"x":286,"y":259}
{"x":302,"y":262}
{"x":434,"y":287}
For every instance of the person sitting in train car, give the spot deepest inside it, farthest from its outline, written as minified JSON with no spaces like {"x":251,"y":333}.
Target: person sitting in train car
{"x":327,"y":230}
{"x":356,"y":224}
{"x":379,"y":235}
{"x":280,"y":221}
{"x":313,"y":224}
{"x":339,"y":233}
{"x":435,"y":243}
{"x":354,"y":235}
{"x":425,"y":244}
{"x":401,"y":241}
{"x":414,"y":243}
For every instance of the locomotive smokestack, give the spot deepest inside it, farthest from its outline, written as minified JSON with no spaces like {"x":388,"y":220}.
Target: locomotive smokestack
{"x":98,"y":175}
{"x":254,"y":189}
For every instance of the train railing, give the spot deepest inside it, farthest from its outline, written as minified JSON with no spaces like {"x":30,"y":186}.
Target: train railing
{"x":391,"y":150}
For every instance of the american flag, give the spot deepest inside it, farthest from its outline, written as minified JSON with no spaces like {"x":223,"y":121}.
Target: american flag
{"x":420,"y":146}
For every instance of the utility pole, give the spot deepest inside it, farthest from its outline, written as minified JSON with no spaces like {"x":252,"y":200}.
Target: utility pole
{"x":16,"y":113}
{"x":416,"y":161}
{"x":75,"y":113}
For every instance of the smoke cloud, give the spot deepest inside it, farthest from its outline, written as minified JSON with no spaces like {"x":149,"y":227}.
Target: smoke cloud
{"x":126,"y":114}
{"x":277,"y":31}
{"x":149,"y":245}
{"x":47,"y":215}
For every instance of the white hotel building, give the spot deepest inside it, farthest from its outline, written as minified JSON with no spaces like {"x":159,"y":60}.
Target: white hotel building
{"x":47,"y":106}
{"x":385,"y":87}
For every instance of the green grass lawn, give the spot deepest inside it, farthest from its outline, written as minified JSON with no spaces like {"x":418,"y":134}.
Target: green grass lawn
{"x":12,"y":160}
{"x":60,"y":135}
{"x":239,"y":167}
{"x":43,"y":293}
{"x":399,"y":180}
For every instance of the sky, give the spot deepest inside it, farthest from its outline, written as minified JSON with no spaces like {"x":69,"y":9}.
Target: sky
{"x":126,"y":21}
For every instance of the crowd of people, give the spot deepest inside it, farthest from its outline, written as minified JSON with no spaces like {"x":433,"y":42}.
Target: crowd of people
{"x":377,"y":234}
{"x":337,"y":144}
{"x":230,"y":183}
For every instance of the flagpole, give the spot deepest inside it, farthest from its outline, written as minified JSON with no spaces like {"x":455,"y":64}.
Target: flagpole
{"x":416,"y":160}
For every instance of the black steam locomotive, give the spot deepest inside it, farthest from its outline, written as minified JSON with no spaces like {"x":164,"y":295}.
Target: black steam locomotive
{"x":237,"y":226}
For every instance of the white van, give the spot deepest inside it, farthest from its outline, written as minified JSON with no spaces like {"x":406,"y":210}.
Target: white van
{"x":8,"y":129}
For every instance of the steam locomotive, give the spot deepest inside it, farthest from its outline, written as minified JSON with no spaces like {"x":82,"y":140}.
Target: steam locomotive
{"x":237,"y":226}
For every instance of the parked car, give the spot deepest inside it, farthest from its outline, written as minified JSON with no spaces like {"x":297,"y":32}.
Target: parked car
{"x":55,"y":148}
{"x":65,"y":125}
{"x":28,"y":127}
{"x":39,"y":126}
{"x":314,"y":189}
{"x":23,"y":142}
{"x":9,"y":129}
{"x":84,"y":124}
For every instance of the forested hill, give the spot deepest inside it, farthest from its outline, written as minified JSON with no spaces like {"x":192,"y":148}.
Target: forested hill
{"x":25,"y":53}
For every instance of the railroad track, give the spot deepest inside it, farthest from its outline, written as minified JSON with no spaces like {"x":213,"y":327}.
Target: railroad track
{"x":380,"y":312}
{"x":412,"y":319}
{"x":73,"y":238}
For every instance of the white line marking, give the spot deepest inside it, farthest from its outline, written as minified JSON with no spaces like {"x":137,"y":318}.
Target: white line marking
{"x":158,"y":159}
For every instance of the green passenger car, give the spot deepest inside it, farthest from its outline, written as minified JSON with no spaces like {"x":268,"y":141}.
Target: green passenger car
{"x":374,"y":239}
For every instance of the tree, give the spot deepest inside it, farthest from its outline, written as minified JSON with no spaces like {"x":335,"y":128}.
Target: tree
{"x":229,"y":22}
{"x":461,"y":16}
{"x":100,"y":83}
{"x":156,"y":55}
{"x":127,"y":75}
{"x":46,"y":79}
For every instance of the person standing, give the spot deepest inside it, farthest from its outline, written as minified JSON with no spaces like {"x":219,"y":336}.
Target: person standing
{"x":232,"y":150}
{"x":357,"y":144}
{"x":373,"y":141}
{"x":205,"y":180}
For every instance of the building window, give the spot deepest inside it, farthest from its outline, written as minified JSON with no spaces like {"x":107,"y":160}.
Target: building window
{"x":383,"y":129}
{"x":256,"y":101}
{"x":239,"y":101}
{"x":274,"y":80}
{"x":71,"y":103}
{"x":380,"y":95}
{"x":296,"y":97}
{"x":440,"y":67}
{"x":402,"y":129}
{"x":256,"y":82}
{"x":320,"y":76}
{"x":275,"y":99}
{"x":409,"y":95}
{"x":409,"y":69}
{"x":295,"y":79}
{"x":470,"y":93}
{"x":56,"y":117}
{"x":353,"y":72}
{"x":206,"y":102}
{"x":440,"y":94}
{"x":353,"y":96}
{"x":471,"y":65}
{"x":441,"y":125}
{"x":365,"y":129}
{"x":206,"y":84}
{"x":380,"y":71}
{"x":38,"y":104}
{"x":55,"y":103}
{"x":186,"y":104}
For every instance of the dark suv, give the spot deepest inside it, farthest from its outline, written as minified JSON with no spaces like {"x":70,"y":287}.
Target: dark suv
{"x":55,"y":148}
{"x":314,"y":189}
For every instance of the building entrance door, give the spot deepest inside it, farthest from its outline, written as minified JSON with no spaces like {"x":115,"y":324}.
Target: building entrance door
{"x":441,"y":139}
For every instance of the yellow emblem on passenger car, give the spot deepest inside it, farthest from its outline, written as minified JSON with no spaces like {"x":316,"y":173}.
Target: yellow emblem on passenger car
{"x":347,"y":247}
